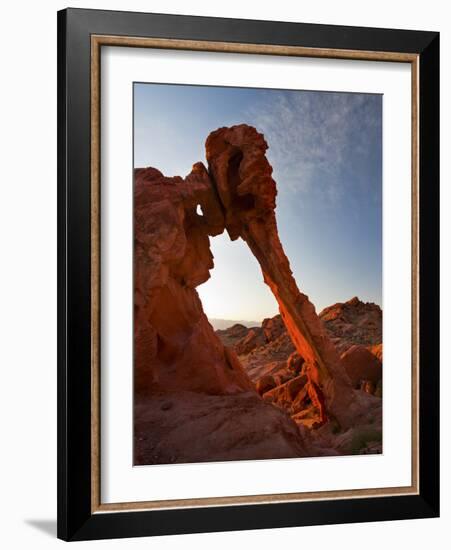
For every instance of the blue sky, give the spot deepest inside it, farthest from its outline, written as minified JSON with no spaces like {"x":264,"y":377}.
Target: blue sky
{"x":326,"y":152}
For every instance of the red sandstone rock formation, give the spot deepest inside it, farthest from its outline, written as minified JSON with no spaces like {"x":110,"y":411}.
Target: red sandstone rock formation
{"x":194,"y":427}
{"x":377,"y":351}
{"x":247,"y":192}
{"x":353,"y":322}
{"x":192,"y":395}
{"x":175,"y":346}
{"x":346,"y":323}
{"x":193,"y":401}
{"x":253,"y":339}
{"x":273,"y":363}
{"x":273,"y":328}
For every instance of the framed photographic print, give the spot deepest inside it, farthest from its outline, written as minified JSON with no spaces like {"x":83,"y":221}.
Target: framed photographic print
{"x":248,"y":274}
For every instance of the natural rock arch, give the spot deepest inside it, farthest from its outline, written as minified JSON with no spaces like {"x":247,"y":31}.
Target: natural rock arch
{"x":175,"y":346}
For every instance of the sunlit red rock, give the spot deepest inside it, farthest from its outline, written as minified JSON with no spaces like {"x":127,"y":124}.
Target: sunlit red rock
{"x":243,"y":177}
{"x":175,"y":346}
{"x":377,"y":351}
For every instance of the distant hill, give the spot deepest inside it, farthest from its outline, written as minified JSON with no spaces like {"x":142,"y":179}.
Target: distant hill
{"x":222,"y":324}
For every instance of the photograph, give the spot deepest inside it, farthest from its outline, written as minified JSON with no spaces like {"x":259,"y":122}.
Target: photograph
{"x":248,"y":272}
{"x":257,"y":273}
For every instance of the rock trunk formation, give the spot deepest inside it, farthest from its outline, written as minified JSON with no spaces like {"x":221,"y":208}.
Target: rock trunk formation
{"x":242,"y":176}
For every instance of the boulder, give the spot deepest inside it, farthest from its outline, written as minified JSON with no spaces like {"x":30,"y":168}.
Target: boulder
{"x":377,"y":351}
{"x":363,"y":368}
{"x":252,"y":340}
{"x":295,"y":363}
{"x":265,"y":384}
{"x":273,"y":328}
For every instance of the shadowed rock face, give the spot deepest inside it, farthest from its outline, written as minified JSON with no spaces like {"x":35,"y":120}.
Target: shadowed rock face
{"x":192,"y":427}
{"x":362,"y":366}
{"x":242,"y":176}
{"x":175,"y":346}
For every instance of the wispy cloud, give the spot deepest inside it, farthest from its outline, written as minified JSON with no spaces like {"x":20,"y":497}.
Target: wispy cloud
{"x":316,"y":138}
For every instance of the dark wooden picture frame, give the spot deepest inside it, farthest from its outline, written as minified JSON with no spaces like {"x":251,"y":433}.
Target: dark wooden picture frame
{"x":81,"y":34}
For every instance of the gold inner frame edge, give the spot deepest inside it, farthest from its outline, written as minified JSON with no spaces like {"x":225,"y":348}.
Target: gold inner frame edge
{"x":97,"y":41}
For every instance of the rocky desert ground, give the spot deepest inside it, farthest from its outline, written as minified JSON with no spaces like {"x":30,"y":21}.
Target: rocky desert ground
{"x":277,"y":370}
